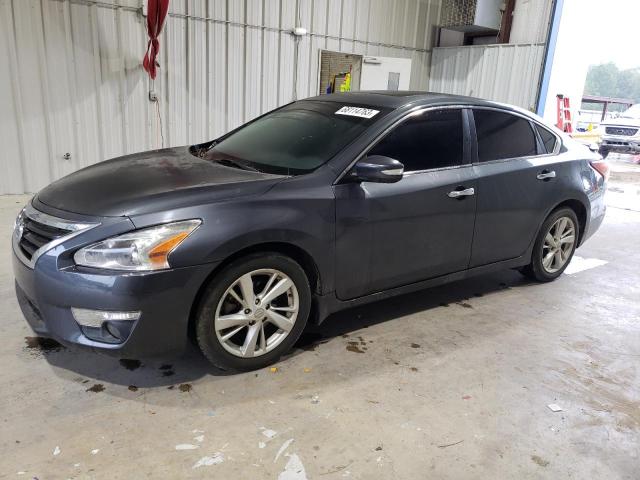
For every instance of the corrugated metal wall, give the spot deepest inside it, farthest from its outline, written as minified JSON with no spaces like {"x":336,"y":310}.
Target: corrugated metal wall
{"x":71,"y":81}
{"x":504,"y":73}
{"x":531,"y":21}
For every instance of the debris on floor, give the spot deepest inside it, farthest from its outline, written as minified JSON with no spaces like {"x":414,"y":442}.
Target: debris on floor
{"x":554,"y":407}
{"x":186,"y":446}
{"x":450,"y":444}
{"x":268,"y":433}
{"x":282,"y":449}
{"x":294,"y":469}
{"x":216,"y":458}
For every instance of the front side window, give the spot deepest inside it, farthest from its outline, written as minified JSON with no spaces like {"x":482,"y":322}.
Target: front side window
{"x":295,"y":139}
{"x":503,"y":135}
{"x":426,"y":141}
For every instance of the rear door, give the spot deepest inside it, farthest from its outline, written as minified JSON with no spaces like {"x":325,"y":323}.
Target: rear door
{"x":389,"y":235}
{"x":518,"y":181}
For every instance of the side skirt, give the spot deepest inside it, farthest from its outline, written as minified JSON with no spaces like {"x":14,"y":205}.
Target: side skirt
{"x":327,"y":304}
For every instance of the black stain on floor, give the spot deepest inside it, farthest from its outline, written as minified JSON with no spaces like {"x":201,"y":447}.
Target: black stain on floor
{"x":168,"y":373}
{"x":464,"y":304}
{"x":415,"y":345}
{"x":309,"y":341}
{"x":166,"y":366}
{"x":356,"y":347}
{"x":185,"y":387}
{"x":133,"y":388}
{"x":42,"y":345}
{"x":130,"y":364}
{"x":539,"y":460}
{"x":98,"y":387}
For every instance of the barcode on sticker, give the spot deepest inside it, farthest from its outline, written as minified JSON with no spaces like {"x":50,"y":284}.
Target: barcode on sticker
{"x":358,"y":112}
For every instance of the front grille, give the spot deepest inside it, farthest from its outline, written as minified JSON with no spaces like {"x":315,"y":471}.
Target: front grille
{"x":36,"y":234}
{"x":621,"y":131}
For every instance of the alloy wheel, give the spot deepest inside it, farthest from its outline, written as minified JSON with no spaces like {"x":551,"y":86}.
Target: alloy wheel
{"x":558,"y":244}
{"x":256,"y":313}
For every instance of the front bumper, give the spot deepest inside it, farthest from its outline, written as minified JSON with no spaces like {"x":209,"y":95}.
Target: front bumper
{"x":47,"y":292}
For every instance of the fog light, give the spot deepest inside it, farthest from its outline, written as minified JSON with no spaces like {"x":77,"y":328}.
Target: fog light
{"x":95,"y":318}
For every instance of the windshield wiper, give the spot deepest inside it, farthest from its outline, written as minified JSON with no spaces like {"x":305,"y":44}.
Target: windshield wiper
{"x":232,"y":163}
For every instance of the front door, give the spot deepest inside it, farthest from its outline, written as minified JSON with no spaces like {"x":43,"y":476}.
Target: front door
{"x":389,"y":235}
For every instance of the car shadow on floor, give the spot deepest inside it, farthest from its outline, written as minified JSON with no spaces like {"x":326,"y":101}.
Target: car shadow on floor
{"x":88,"y":367}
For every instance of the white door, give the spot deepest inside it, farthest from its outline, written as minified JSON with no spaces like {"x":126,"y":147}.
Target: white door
{"x":385,"y":73}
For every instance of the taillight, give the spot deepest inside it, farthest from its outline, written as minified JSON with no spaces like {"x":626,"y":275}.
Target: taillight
{"x":602,"y":167}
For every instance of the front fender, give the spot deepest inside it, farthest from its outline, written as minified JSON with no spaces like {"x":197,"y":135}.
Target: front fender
{"x":227,"y":228}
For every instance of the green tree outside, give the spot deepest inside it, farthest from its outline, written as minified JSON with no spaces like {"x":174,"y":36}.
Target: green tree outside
{"x":607,"y":80}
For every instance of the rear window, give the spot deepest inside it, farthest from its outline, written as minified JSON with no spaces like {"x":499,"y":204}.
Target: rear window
{"x":548,"y":139}
{"x":295,"y":139}
{"x":502,"y":135}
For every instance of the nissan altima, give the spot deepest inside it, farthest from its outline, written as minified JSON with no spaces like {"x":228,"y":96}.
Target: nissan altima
{"x":322,"y":204}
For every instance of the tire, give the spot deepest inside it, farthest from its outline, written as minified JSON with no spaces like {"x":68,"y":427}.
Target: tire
{"x":220,"y":306}
{"x":539,"y":269}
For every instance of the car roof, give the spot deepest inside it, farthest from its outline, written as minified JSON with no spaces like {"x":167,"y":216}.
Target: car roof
{"x":401,"y":98}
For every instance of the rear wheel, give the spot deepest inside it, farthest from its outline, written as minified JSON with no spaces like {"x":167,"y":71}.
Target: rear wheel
{"x":253,"y":312}
{"x":554,"y":246}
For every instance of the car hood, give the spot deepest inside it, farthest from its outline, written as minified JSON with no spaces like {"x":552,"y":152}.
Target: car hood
{"x":150,"y":182}
{"x":624,"y":122}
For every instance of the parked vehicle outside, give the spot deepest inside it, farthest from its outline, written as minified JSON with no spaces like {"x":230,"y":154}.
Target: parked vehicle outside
{"x":320,"y":205}
{"x":621,"y":134}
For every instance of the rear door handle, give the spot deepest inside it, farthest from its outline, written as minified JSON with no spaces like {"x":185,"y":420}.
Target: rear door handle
{"x":467,"y":192}
{"x":546,"y":174}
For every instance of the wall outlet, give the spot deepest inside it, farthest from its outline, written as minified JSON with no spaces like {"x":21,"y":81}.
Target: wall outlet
{"x":153,"y":96}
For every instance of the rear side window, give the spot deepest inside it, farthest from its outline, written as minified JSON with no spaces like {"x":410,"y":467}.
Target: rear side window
{"x":430,"y":140}
{"x":548,"y":139}
{"x":502,"y":135}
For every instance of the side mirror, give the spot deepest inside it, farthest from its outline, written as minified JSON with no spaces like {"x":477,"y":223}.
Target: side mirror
{"x":378,"y":169}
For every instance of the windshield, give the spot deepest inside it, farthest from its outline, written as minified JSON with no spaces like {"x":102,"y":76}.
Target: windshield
{"x":632,"y":112}
{"x":295,"y":139}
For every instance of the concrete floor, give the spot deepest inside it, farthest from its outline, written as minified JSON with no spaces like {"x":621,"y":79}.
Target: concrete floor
{"x":452,"y":382}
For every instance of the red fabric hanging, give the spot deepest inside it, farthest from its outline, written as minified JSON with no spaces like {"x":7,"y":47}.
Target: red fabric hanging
{"x":156,"y":14}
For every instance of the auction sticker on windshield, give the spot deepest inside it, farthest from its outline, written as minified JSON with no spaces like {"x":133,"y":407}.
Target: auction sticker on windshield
{"x":358,"y":112}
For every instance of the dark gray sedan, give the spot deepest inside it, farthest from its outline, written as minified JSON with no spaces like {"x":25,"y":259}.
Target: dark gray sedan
{"x":319,"y":205}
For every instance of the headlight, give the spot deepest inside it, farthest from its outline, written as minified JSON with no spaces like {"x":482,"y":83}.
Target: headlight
{"x":145,"y":249}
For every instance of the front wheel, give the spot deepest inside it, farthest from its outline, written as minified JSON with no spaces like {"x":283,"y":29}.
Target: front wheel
{"x":554,"y":246}
{"x":253,"y":311}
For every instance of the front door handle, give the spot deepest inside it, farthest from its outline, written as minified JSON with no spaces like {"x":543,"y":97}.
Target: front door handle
{"x":467,"y":192}
{"x":546,"y":174}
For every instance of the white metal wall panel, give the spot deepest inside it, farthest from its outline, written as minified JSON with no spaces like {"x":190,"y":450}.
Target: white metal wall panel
{"x":530,"y":21}
{"x":504,"y":73}
{"x":71,"y":79}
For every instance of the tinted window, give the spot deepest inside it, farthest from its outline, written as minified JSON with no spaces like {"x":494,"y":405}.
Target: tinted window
{"x":295,"y":139}
{"x":548,"y":139}
{"x":502,"y":135}
{"x":430,"y":140}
